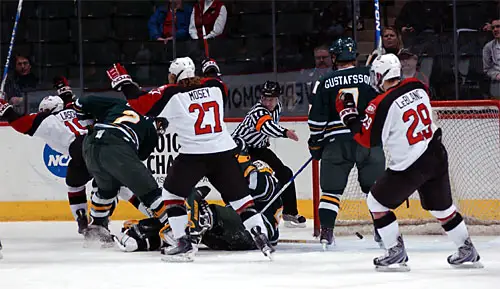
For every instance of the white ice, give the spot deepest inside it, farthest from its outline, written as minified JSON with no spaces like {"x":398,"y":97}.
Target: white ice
{"x":40,"y":255}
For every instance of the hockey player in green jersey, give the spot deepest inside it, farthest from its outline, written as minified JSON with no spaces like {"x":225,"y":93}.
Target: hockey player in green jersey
{"x":113,"y":152}
{"x":332,"y":143}
{"x":215,"y":226}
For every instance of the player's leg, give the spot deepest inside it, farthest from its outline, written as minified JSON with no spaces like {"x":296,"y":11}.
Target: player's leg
{"x":336,"y":163}
{"x":283,"y":173}
{"x":120,"y":160}
{"x":226,"y":176}
{"x":126,"y":194}
{"x":388,"y":193}
{"x":76,"y":178}
{"x":435,"y":197}
{"x":183,"y":175}
{"x":371,"y":166}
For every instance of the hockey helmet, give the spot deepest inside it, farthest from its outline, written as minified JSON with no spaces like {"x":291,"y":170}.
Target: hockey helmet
{"x":51,"y":103}
{"x":271,"y":89}
{"x":242,"y":154}
{"x":344,"y":49}
{"x":209,"y":68}
{"x":383,"y":68}
{"x":182,"y":68}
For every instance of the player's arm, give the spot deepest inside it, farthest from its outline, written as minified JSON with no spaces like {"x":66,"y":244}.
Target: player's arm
{"x":217,"y":83}
{"x":26,"y":124}
{"x":367,"y":131}
{"x":148,"y":103}
{"x":317,"y":119}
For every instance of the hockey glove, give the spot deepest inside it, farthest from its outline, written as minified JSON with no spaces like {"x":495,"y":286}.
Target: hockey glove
{"x":4,"y":106}
{"x":316,"y":149}
{"x":161,"y":124}
{"x":63,"y":89}
{"x":346,"y":107}
{"x":119,"y":77}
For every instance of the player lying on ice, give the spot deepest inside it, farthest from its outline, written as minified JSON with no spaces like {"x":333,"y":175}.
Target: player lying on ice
{"x":217,"y":227}
{"x":400,"y":118}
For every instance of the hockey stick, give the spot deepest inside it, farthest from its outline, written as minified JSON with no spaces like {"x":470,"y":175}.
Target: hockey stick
{"x":378,"y":32}
{"x":11,"y":45}
{"x":205,"y":42}
{"x":286,"y":185}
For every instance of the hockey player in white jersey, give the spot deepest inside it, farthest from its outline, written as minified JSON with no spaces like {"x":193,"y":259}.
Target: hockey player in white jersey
{"x":194,"y":108}
{"x":400,"y":119}
{"x":60,"y":128}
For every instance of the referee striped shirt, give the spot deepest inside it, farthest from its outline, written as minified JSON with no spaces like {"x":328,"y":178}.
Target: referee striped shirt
{"x":259,"y":124}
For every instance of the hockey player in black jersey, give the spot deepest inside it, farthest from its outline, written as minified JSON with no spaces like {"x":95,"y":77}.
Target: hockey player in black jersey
{"x":113,"y":151}
{"x":332,"y":142}
{"x":217,"y":227}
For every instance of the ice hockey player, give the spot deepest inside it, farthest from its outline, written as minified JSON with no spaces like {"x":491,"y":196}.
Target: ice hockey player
{"x":194,"y":109}
{"x":113,"y":152}
{"x":217,"y":227}
{"x":400,"y":118}
{"x":57,"y":124}
{"x":259,"y":125}
{"x":332,"y":143}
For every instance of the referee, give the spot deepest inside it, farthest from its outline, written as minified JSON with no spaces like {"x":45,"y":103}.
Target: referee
{"x":261,"y":123}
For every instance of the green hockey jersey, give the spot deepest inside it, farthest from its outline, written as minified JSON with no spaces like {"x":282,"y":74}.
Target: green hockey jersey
{"x":116,"y":115}
{"x":324,"y":121}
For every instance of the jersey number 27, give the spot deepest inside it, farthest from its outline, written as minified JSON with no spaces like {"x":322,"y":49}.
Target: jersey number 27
{"x":202,"y":108}
{"x":421,"y":114}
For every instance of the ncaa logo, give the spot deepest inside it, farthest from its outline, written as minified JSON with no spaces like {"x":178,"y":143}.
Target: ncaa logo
{"x":55,"y":162}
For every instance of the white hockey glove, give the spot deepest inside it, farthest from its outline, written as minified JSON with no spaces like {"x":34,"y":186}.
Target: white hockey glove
{"x":119,"y":76}
{"x":346,"y":107}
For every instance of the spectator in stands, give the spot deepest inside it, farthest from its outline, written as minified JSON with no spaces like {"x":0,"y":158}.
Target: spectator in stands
{"x":160,"y":23}
{"x":491,"y":60}
{"x":391,"y":43}
{"x":208,"y":14}
{"x":333,"y":21}
{"x":472,"y":15}
{"x":419,"y":16}
{"x":322,"y":58}
{"x":20,"y":81}
{"x":409,"y":66}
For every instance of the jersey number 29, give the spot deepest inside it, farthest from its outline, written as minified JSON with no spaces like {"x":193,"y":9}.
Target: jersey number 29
{"x":201,"y":108}
{"x":415,"y":116}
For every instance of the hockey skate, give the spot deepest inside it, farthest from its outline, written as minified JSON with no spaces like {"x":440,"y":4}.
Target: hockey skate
{"x":82,"y":221}
{"x":98,"y":234}
{"x":183,"y":251}
{"x":394,"y":259}
{"x":294,"y":221}
{"x":262,"y":242}
{"x":466,"y":257}
{"x":326,"y":238}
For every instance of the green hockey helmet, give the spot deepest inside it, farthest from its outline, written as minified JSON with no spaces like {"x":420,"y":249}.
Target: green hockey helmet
{"x":344,"y":49}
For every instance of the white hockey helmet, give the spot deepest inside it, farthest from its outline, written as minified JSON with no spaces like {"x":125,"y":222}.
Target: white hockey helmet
{"x":51,"y":103}
{"x":383,"y":68}
{"x":182,"y":68}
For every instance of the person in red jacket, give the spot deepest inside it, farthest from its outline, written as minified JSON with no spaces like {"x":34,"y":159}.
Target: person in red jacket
{"x":208,"y":19}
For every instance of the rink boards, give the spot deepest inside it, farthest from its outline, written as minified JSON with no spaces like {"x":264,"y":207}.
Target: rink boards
{"x":32,"y":183}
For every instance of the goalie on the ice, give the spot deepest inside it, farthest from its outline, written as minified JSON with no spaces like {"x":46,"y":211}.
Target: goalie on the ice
{"x":217,"y":227}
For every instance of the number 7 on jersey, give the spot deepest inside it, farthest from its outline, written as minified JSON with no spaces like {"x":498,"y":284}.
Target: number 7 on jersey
{"x":201,"y":109}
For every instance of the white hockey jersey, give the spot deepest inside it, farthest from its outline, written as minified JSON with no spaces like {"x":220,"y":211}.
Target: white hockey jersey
{"x":400,"y":120}
{"x":195,"y":114}
{"x":57,"y":130}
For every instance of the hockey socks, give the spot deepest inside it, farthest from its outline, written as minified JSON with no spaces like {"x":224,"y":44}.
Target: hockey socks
{"x":77,"y":198}
{"x":329,"y":205}
{"x":388,"y":228}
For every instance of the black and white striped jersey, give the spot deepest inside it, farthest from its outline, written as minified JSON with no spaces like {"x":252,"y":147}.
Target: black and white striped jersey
{"x":259,"y":124}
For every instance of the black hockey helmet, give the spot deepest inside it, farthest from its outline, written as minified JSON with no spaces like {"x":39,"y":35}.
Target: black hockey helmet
{"x":271,"y":89}
{"x":344,"y":49}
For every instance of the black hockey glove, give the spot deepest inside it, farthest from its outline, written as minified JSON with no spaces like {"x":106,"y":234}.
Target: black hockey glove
{"x":346,"y":107}
{"x":316,"y":149}
{"x":119,"y":77}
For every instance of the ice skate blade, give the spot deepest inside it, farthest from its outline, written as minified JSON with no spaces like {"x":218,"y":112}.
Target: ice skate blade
{"x":268,"y":253}
{"x":290,"y":224}
{"x":400,"y":267}
{"x":468,"y":265}
{"x":179,"y":258}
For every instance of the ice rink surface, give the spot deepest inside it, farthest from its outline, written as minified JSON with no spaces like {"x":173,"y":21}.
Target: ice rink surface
{"x":39,"y":255}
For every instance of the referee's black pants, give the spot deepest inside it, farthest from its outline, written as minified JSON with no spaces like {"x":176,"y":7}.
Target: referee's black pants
{"x":283,"y":174}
